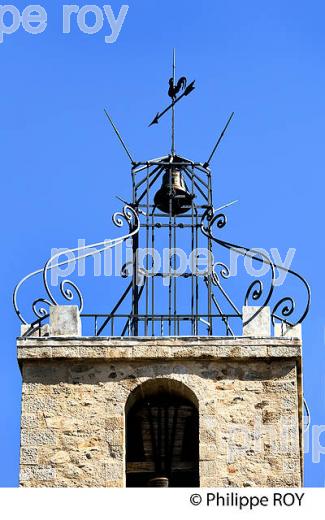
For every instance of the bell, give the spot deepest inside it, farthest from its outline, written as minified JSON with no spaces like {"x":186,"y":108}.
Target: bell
{"x":173,"y":196}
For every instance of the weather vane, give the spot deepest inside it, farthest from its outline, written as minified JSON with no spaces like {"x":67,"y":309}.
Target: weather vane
{"x":174,"y":89}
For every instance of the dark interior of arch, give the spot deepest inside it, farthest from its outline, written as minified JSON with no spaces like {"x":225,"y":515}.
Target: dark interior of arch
{"x":162,"y":442}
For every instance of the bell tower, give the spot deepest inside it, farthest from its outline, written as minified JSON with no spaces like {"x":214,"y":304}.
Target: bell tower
{"x":190,"y":374}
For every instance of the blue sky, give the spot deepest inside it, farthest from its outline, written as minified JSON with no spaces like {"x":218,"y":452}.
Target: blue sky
{"x":61,"y":165}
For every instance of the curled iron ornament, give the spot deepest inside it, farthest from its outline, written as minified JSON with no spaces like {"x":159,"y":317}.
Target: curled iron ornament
{"x":256,"y":288}
{"x":286,"y":306}
{"x":224,"y":272}
{"x":126,"y":215}
{"x":212,"y":218}
{"x":40,"y":312}
{"x":68,"y":289}
{"x":125,"y":271}
{"x":220,"y":219}
{"x":68,"y":294}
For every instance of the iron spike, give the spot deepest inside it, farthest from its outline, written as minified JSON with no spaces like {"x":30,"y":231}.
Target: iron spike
{"x":206,"y":164}
{"x":225,"y":206}
{"x":119,"y":137}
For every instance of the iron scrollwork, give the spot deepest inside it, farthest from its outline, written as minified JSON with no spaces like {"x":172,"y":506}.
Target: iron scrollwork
{"x":283,"y":309}
{"x":67,"y":288}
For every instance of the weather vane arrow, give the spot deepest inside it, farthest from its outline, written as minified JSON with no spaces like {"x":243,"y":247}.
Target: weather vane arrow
{"x":172,"y":92}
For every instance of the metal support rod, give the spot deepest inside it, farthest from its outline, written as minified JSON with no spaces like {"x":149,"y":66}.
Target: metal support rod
{"x":127,"y":324}
{"x":175,"y":278}
{"x":102,"y":327}
{"x":135,"y":290}
{"x":188,"y":173}
{"x":147,"y":248}
{"x":196,"y":278}
{"x":192,"y":245}
{"x":153,"y":278}
{"x":144,"y":180}
{"x":150,"y":184}
{"x":209,"y":261}
{"x":170,"y":247}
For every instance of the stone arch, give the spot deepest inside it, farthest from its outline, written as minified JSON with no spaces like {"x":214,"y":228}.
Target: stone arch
{"x":162,"y":435}
{"x":154,"y":385}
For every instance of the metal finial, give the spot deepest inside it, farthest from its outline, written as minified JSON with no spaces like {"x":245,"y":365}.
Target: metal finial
{"x":173,"y":105}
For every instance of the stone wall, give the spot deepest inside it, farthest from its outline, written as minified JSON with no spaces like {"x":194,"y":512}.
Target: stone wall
{"x":248,"y":392}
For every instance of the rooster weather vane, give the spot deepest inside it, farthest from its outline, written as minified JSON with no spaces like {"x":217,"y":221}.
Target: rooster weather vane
{"x":172,"y":93}
{"x":171,"y":206}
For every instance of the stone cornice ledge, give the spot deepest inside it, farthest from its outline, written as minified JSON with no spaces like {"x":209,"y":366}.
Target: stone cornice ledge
{"x":160,"y":348}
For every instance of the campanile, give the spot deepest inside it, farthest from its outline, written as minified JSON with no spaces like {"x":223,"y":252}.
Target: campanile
{"x":187,"y":375}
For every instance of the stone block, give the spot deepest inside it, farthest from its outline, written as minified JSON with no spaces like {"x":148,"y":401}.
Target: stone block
{"x":114,"y":423}
{"x":114,"y":471}
{"x":208,"y":451}
{"x":115,"y":437}
{"x":35,"y":353}
{"x":260,"y":326}
{"x":29,"y":421}
{"x":25,"y":473}
{"x":37,"y":438}
{"x":207,"y":482}
{"x":29,"y":456}
{"x":43,"y":473}
{"x":38,"y":332}
{"x":208,"y":468}
{"x":65,"y":320}
{"x":115,"y":483}
{"x":284,"y":330}
{"x":60,"y":457}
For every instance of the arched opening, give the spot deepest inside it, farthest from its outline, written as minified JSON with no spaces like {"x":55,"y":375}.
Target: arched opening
{"x":162,"y":436}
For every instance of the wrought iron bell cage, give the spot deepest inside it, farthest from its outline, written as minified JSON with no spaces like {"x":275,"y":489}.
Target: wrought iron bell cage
{"x":172,"y":210}
{"x":170,"y":219}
